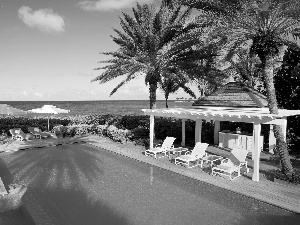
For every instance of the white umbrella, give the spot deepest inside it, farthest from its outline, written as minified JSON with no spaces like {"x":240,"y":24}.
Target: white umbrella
{"x":8,"y":110}
{"x":49,"y":109}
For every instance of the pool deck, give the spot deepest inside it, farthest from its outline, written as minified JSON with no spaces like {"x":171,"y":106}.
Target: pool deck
{"x":280,"y":195}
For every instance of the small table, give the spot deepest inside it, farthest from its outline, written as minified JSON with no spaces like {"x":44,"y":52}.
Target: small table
{"x":177,"y":151}
{"x":211,"y":159}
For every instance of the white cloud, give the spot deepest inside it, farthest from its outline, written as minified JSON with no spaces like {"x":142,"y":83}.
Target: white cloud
{"x":43,"y":19}
{"x":108,"y":5}
{"x":24,"y":93}
{"x":39,"y":95}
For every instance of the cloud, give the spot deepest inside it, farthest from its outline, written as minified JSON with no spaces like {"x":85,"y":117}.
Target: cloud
{"x":109,"y":5}
{"x":43,"y":19}
{"x":39,"y":95}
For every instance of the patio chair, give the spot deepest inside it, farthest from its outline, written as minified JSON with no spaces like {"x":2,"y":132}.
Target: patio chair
{"x":195,"y":155}
{"x":20,"y":135}
{"x":163,"y":149}
{"x":232,"y":164}
{"x":37,"y":133}
{"x":14,"y":132}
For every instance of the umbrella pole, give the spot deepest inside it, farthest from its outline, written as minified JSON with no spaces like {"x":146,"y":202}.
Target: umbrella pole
{"x":48,"y":123}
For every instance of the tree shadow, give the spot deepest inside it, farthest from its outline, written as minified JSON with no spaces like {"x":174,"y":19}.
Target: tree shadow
{"x":58,"y":166}
{"x":6,"y":176}
{"x":72,"y":207}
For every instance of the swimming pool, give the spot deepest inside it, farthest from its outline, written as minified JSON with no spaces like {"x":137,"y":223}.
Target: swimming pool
{"x":84,"y":185}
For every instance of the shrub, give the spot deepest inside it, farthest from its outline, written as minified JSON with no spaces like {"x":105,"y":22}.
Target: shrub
{"x":292,"y":178}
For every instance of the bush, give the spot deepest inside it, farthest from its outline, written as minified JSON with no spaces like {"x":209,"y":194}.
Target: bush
{"x":292,"y":178}
{"x":112,"y":132}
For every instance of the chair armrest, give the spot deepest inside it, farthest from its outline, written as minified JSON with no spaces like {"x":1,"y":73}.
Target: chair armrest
{"x":224,"y":160}
{"x":188,"y":152}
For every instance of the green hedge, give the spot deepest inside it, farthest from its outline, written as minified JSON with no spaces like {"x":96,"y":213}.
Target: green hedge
{"x":7,"y":123}
{"x":123,"y":128}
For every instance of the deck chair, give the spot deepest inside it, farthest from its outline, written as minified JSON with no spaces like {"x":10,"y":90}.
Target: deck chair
{"x":163,"y":149}
{"x":37,"y":133}
{"x":232,"y":164}
{"x":14,"y":132}
{"x":20,"y":135}
{"x":195,"y":155}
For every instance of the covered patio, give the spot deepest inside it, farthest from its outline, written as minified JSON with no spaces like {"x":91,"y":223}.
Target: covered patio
{"x":234,"y":102}
{"x":257,"y":116}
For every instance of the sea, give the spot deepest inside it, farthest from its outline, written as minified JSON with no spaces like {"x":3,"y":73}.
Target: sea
{"x":113,"y":107}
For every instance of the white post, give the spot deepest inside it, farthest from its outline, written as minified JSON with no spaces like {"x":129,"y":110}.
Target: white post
{"x":216,"y":132}
{"x":183,"y":132}
{"x":284,"y":127}
{"x":198,"y":129}
{"x":256,"y":151}
{"x":151,"y":131}
{"x":272,"y":140}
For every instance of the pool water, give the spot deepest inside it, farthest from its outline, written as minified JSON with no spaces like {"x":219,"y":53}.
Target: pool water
{"x":78,"y":184}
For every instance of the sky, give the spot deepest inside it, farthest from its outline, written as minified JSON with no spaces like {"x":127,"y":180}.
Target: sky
{"x":49,"y":49}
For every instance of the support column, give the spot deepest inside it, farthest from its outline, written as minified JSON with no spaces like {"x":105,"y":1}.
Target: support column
{"x":284,"y":127}
{"x":216,"y":132}
{"x":151,"y":131}
{"x":183,"y":132}
{"x":256,"y":151}
{"x":272,"y":140}
{"x":198,"y":130}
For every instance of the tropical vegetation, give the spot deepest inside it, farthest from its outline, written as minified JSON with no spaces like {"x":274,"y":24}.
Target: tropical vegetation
{"x":287,"y":85}
{"x":153,"y":43}
{"x":172,"y":85}
{"x":267,"y":27}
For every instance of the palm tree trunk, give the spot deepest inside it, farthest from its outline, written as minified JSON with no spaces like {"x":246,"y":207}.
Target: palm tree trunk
{"x":152,"y":91}
{"x":268,"y":73}
{"x":166,"y":97}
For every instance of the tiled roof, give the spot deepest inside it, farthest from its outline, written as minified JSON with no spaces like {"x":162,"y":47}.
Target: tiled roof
{"x":234,"y":94}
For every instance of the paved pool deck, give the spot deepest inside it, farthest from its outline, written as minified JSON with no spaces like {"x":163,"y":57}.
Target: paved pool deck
{"x":283,"y":196}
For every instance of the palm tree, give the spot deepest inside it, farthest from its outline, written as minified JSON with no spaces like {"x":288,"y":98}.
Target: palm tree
{"x":145,"y":43}
{"x":172,"y":84}
{"x":245,"y":68}
{"x":266,"y":26}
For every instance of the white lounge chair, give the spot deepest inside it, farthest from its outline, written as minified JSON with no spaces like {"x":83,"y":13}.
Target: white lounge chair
{"x":18,"y":134}
{"x":163,"y":149}
{"x":195,"y":155}
{"x":14,"y":132}
{"x":37,"y":133}
{"x":232,"y":164}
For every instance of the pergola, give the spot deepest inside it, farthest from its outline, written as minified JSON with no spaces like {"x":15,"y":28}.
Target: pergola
{"x":257,"y":116}
{"x":233,"y":102}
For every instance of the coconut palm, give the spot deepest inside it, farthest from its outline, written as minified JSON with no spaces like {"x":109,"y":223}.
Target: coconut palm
{"x":144,"y":46}
{"x":172,"y":84}
{"x":266,"y":26}
{"x":245,"y":68}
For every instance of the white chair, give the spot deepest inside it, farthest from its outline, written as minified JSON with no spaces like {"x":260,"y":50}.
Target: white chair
{"x":232,"y":164}
{"x":163,"y":149}
{"x":195,"y":155}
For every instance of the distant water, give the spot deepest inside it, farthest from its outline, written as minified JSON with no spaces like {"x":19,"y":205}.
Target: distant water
{"x":120,"y":107}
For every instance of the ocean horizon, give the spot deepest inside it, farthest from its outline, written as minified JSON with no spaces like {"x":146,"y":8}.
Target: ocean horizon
{"x":102,"y":107}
